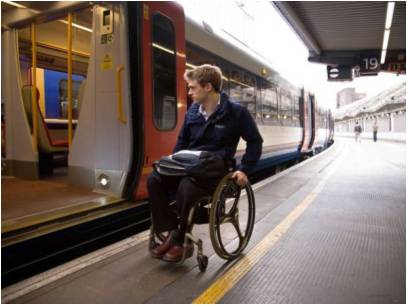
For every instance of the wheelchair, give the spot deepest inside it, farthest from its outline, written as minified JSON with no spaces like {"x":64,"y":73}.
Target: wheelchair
{"x":225,"y":208}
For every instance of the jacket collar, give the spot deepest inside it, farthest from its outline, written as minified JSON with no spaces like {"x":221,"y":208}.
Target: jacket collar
{"x":194,"y":115}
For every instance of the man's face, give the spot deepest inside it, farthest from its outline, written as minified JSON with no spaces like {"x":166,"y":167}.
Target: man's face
{"x":197,"y":92}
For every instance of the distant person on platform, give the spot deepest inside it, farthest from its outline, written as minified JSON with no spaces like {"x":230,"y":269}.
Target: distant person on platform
{"x":358,"y":131}
{"x":375,"y":129}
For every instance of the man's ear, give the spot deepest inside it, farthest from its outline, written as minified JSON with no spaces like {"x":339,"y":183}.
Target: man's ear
{"x":208,"y":87}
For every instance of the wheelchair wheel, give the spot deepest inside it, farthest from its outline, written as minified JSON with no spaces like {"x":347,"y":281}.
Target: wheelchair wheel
{"x":202,"y":262}
{"x":231,"y":214}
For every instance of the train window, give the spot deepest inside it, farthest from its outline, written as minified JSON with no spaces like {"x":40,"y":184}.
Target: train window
{"x":63,"y":96}
{"x":296,"y":112}
{"x":196,"y":57}
{"x":269,"y":101}
{"x":285,"y":107}
{"x":164,"y":73}
{"x":241,"y":86}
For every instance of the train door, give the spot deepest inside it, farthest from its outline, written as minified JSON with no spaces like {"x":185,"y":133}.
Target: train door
{"x":306,"y":121}
{"x":104,"y":145}
{"x":312,"y":116}
{"x":75,"y":54}
{"x":163,"y":57}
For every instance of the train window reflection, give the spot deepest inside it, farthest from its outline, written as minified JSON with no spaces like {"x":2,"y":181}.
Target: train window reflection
{"x":269,"y":101}
{"x":242,"y":90}
{"x":296,"y":111}
{"x":164,"y":73}
{"x":285,"y":107}
{"x":197,"y":56}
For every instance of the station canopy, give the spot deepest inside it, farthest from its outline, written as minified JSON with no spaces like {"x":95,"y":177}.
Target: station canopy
{"x":350,"y":36}
{"x":390,"y":100}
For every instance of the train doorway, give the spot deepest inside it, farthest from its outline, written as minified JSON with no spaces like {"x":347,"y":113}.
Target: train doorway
{"x":68,"y":137}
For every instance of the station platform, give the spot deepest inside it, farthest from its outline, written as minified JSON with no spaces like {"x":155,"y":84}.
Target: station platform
{"x":331,"y":229}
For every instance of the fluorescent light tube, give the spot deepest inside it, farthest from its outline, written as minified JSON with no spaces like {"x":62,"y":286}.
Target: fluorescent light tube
{"x":389,"y":15}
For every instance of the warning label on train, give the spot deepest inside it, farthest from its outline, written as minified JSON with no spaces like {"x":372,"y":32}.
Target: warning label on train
{"x":107,"y":62}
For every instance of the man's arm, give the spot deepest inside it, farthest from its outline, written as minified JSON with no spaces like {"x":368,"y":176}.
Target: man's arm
{"x":250,"y":133}
{"x":183,"y":138}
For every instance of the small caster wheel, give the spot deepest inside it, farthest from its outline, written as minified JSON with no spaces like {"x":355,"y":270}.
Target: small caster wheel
{"x":202,"y":262}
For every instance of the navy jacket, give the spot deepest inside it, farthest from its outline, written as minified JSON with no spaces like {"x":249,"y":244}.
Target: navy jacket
{"x":221,"y":133}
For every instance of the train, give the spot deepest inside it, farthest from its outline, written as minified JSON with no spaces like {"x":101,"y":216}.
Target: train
{"x":129,"y":95}
{"x":92,"y":94}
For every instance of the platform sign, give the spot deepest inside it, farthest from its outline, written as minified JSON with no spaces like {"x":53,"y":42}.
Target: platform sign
{"x":339,"y":73}
{"x":369,"y":64}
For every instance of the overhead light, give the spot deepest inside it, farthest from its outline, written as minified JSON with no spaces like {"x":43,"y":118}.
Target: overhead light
{"x":386,"y":39}
{"x":387,"y":26}
{"x":384,"y":47}
{"x":75,"y":25}
{"x":190,"y":65}
{"x":389,"y":15}
{"x":60,"y":20}
{"x":14,"y":4}
{"x":155,"y":45}
{"x":383,"y":57}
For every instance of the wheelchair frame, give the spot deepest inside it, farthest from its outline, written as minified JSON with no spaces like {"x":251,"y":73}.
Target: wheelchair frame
{"x":226,"y":190}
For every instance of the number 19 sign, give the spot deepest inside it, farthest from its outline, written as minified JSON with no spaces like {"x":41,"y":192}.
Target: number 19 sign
{"x":368,"y":65}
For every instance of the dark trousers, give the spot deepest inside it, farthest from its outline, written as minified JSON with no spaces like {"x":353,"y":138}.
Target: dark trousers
{"x":375,"y":136}
{"x":188,"y":191}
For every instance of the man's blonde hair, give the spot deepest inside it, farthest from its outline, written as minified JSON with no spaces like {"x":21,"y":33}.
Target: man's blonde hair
{"x":206,"y":74}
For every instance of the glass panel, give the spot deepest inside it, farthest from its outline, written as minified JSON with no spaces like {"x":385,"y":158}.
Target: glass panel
{"x":296,"y":113}
{"x":242,"y":90}
{"x":196,"y":57}
{"x":269,"y":101}
{"x":164,"y":73}
{"x":285,"y":106}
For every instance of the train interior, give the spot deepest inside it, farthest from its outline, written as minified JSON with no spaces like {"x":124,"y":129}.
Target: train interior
{"x":78,"y":158}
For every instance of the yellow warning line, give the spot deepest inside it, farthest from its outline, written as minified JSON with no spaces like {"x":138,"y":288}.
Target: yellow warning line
{"x":226,"y":282}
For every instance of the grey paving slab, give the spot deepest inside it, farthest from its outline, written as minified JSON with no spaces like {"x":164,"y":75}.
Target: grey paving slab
{"x":348,"y":246}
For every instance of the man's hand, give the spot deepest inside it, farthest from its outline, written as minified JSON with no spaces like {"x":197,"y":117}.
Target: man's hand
{"x":240,"y":177}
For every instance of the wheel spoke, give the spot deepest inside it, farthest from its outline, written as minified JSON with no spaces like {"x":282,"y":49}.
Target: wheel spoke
{"x":233,"y":209}
{"x":235,"y":223}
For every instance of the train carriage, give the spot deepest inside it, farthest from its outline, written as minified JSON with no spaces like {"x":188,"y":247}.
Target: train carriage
{"x":92,"y":115}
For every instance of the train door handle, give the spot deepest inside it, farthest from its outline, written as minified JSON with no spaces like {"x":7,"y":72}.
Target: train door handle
{"x":120,"y":114}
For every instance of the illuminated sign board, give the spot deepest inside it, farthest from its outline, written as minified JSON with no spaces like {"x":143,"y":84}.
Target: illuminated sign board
{"x":396,"y":67}
{"x":339,"y":73}
{"x":369,"y":64}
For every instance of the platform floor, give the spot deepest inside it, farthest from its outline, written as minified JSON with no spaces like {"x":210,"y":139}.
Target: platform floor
{"x":331,"y":230}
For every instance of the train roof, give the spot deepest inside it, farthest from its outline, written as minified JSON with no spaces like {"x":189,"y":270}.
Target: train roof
{"x":201,"y":34}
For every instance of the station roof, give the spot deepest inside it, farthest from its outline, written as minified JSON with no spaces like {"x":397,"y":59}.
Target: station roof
{"x":342,"y":32}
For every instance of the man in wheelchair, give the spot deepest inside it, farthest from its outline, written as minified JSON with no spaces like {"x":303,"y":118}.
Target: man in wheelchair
{"x":214,"y":123}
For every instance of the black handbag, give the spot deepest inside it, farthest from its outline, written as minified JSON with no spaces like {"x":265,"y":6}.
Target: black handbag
{"x":197,"y":164}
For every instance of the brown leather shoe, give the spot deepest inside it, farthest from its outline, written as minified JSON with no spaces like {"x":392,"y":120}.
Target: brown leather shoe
{"x":159,"y":251}
{"x":174,"y":254}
